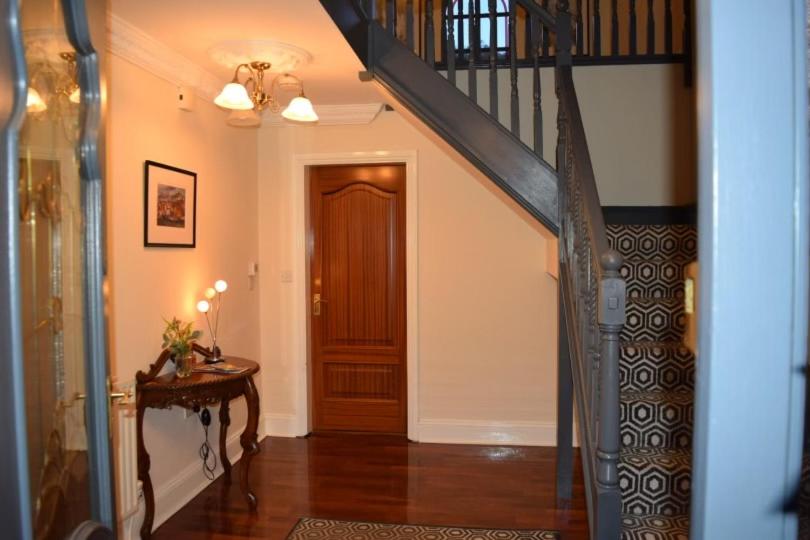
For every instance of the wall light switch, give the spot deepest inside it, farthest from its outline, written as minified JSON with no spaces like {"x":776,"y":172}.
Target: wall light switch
{"x":185,"y":98}
{"x":253,"y":269}
{"x":286,"y":276}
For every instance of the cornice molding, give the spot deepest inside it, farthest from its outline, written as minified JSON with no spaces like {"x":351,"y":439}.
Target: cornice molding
{"x":132,"y":44}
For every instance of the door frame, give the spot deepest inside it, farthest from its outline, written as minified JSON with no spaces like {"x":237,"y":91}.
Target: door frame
{"x":301,"y":281}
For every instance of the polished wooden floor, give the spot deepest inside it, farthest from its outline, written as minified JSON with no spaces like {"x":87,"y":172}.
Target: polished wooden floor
{"x":385,"y":479}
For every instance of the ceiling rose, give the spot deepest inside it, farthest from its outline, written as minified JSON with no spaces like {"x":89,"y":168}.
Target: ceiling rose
{"x":283,"y":57}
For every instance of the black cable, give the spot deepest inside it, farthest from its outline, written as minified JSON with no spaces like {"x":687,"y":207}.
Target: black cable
{"x":206,"y":452}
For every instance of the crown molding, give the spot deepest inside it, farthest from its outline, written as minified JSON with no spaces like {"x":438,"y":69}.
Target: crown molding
{"x":332,"y":115}
{"x":132,"y":44}
{"x":136,"y":46}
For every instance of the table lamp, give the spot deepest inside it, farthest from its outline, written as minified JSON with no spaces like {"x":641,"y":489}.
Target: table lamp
{"x":213,"y":300}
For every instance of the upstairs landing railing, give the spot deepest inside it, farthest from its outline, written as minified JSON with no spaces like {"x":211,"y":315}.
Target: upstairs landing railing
{"x":592,"y":292}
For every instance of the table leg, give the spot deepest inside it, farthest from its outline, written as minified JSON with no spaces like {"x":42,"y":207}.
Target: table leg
{"x":249,"y":439}
{"x":224,"y":422}
{"x":143,"y":476}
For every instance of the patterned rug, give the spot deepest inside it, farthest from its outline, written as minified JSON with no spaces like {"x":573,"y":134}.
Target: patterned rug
{"x":328,"y":529}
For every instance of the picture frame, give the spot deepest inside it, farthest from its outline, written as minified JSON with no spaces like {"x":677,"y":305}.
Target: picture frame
{"x":170,"y":206}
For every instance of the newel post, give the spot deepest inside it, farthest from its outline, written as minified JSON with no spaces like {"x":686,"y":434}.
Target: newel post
{"x":562,"y":51}
{"x":611,"y":319}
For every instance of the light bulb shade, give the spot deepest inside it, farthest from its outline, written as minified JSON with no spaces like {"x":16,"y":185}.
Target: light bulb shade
{"x":76,"y":95}
{"x":234,"y":96}
{"x":249,"y":118}
{"x":221,"y":286}
{"x":33,"y":102}
{"x":210,"y":293}
{"x":203,"y":306}
{"x":300,"y":110}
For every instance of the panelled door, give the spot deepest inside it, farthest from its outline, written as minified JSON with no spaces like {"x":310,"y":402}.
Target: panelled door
{"x":358,"y":319}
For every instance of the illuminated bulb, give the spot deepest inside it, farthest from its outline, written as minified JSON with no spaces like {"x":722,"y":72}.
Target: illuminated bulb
{"x":210,"y":293}
{"x":33,"y":102}
{"x":203,"y":306}
{"x":221,"y":286}
{"x":234,"y":96}
{"x":76,"y":95}
{"x":300,"y":110}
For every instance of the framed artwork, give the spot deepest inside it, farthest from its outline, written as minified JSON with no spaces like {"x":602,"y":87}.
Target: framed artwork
{"x":170,"y":206}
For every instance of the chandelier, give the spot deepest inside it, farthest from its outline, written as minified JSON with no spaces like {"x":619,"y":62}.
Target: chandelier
{"x":249,"y":98}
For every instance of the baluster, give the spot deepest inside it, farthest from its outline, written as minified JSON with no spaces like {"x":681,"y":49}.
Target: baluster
{"x":563,"y":52}
{"x":546,"y":33}
{"x":443,"y":31}
{"x":472,"y":74}
{"x":614,"y":29}
{"x":450,"y":44}
{"x":668,"y":26}
{"x":409,"y":23}
{"x":513,"y":72}
{"x":687,"y":43}
{"x":650,"y":28}
{"x":633,"y":45}
{"x":611,"y":319}
{"x":578,"y":28}
{"x":597,"y":29}
{"x":493,"y":59}
{"x":391,"y":17}
{"x":528,"y":48}
{"x":537,"y":97}
{"x":371,"y":9}
{"x":430,"y":50}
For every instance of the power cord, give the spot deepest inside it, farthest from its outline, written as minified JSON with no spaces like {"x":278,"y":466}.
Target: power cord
{"x":206,"y":452}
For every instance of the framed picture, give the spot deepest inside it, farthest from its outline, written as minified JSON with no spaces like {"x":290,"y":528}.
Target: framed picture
{"x":170,"y":206}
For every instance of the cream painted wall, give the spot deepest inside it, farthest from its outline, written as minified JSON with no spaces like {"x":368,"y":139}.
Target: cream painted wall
{"x":639,"y":121}
{"x":487,"y":309}
{"x":148,"y":284}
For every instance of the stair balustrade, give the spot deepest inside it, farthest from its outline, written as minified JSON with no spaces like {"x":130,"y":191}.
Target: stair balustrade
{"x":415,"y":49}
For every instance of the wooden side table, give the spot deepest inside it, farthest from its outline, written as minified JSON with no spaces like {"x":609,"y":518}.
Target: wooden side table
{"x":194,"y":392}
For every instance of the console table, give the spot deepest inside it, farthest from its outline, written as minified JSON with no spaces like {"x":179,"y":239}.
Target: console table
{"x":193,"y":392}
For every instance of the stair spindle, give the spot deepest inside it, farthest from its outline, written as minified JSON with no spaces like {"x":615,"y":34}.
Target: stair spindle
{"x":614,"y":29}
{"x":409,"y":24}
{"x":578,"y":26}
{"x":597,"y":29}
{"x":450,"y":42}
{"x":546,"y":33}
{"x":650,"y":28}
{"x":493,"y":59}
{"x":513,"y":72}
{"x":472,"y":75}
{"x":687,"y":43}
{"x":537,"y":91}
{"x":668,"y":26}
{"x":430,"y":49}
{"x":391,"y":16}
{"x":633,"y":46}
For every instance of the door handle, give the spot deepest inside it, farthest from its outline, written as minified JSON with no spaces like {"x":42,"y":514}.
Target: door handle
{"x":316,"y":304}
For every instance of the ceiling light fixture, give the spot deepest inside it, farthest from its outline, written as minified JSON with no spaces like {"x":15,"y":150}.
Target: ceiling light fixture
{"x":247,"y":99}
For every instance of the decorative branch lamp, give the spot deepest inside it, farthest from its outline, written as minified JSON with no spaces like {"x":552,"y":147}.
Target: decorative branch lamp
{"x":213,"y":300}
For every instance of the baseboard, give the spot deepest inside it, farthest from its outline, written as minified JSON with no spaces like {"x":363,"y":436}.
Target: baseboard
{"x":176,"y":492}
{"x":520,"y":433}
{"x":280,"y":425}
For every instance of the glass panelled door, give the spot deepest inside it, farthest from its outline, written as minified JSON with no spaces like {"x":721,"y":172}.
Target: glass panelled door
{"x":59,"y":248}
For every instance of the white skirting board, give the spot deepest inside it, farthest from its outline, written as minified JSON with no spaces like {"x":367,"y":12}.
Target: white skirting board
{"x":176,"y":492}
{"x":280,"y":425}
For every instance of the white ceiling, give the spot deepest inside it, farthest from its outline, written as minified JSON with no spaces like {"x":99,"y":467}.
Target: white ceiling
{"x":191,"y":27}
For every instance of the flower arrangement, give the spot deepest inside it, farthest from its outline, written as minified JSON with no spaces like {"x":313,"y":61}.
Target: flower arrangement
{"x":178,"y":337}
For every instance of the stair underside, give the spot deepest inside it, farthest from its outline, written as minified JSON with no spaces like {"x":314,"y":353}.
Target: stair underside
{"x":657,"y":376}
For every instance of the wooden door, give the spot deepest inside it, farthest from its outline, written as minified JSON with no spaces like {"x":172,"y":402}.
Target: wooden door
{"x":357,"y":228}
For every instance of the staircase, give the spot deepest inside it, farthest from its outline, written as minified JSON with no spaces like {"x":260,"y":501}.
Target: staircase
{"x":657,"y":382}
{"x":631,"y":382}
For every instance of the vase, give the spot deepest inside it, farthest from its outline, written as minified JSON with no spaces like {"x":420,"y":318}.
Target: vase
{"x":184,"y":365}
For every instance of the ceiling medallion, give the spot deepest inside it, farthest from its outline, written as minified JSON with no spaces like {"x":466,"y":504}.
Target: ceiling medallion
{"x":282,"y":57}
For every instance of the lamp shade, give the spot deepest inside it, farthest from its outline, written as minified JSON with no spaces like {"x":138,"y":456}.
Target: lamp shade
{"x":234,"y":96}
{"x":300,"y":110}
{"x":221,"y":286}
{"x":210,"y":293}
{"x":249,"y":118}
{"x":33,"y":102}
{"x":203,"y":306}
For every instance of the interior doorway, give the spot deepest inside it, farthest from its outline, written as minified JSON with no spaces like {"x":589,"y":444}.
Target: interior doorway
{"x":358,"y":317}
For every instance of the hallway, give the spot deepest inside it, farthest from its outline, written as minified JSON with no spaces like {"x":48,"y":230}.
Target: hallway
{"x":385,"y":479}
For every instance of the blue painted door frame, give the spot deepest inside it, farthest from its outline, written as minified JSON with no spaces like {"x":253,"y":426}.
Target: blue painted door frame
{"x":753,"y":252}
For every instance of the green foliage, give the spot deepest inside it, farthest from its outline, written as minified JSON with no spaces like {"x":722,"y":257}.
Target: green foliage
{"x":178,"y":336}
